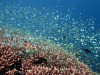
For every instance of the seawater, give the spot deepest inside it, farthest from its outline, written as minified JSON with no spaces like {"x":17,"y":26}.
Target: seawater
{"x":74,"y":35}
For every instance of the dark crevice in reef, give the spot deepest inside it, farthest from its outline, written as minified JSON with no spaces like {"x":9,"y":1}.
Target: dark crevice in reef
{"x":17,"y":65}
{"x":40,"y":61}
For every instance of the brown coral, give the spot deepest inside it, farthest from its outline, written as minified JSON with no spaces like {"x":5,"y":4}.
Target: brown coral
{"x":23,"y":59}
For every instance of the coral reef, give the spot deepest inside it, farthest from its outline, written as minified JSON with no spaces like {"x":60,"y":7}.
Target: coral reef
{"x":20,"y":56}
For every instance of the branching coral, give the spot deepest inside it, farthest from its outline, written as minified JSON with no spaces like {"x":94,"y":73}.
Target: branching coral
{"x":26,"y":58}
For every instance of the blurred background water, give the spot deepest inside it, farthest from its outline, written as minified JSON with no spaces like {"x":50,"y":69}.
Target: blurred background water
{"x":73,"y":24}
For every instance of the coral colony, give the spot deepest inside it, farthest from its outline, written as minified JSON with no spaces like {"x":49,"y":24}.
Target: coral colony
{"x":21,"y":56}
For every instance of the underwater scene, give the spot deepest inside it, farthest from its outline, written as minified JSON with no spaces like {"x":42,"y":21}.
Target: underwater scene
{"x":49,"y":37}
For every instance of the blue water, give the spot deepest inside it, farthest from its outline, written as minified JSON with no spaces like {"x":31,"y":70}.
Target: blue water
{"x":78,"y":8}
